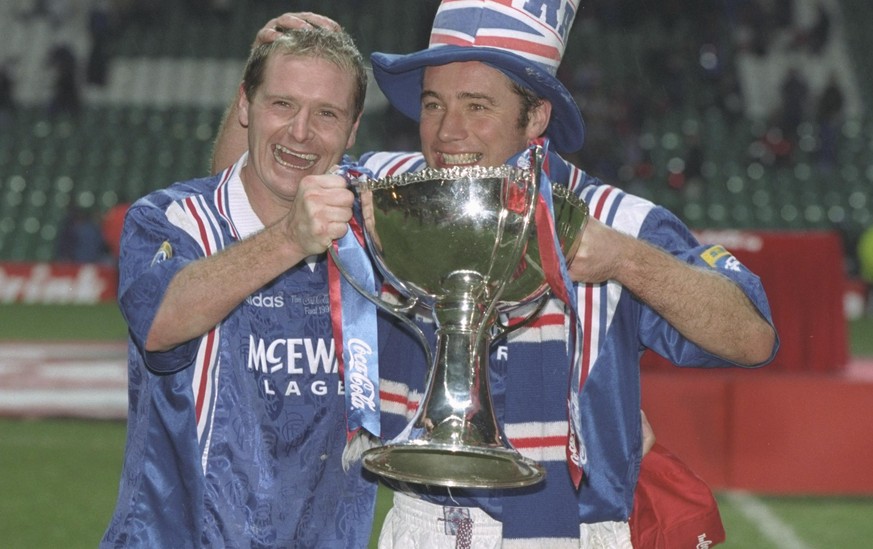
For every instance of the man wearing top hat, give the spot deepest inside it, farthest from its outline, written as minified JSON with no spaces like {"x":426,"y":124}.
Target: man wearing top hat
{"x":482,"y":91}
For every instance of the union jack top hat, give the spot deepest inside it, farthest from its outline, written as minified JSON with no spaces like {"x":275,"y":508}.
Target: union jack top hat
{"x":524,"y":39}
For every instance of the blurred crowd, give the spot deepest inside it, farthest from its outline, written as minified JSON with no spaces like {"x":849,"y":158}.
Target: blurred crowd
{"x":689,"y":67}
{"x":689,"y":70}
{"x":694,"y":70}
{"x":89,"y":235}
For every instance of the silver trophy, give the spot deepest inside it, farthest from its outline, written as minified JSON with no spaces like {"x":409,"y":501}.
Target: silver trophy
{"x":462,"y":243}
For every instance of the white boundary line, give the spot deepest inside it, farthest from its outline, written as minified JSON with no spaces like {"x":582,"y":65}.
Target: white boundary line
{"x":774,"y":529}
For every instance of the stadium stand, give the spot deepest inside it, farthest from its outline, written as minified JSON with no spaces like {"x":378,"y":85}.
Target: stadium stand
{"x":671,"y":104}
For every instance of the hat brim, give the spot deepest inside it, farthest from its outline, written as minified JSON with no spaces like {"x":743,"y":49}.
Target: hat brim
{"x":400,"y":78}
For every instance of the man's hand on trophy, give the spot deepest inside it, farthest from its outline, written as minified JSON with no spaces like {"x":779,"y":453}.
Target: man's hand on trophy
{"x":320,"y":214}
{"x":600,"y":253}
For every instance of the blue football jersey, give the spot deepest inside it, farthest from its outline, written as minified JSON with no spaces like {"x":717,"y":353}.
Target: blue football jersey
{"x":235,"y":438}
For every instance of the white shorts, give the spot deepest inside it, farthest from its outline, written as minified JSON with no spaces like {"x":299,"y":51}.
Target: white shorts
{"x":416,"y":524}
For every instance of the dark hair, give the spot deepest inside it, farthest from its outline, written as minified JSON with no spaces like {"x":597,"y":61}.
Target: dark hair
{"x":334,"y":46}
{"x":529,"y":101}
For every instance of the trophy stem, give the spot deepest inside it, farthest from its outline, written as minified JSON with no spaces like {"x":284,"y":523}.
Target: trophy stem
{"x":459,"y":390}
{"x":454,"y":438}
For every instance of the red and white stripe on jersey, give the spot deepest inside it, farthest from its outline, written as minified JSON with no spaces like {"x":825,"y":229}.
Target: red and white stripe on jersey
{"x":603,"y":200}
{"x":204,"y":385}
{"x":222,"y":201}
{"x":597,"y":302}
{"x":193,"y":216}
{"x":595,"y":309}
{"x":384,"y":164}
{"x":577,"y":177}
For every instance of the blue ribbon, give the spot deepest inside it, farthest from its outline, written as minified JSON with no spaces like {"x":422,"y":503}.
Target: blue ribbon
{"x":360,"y":340}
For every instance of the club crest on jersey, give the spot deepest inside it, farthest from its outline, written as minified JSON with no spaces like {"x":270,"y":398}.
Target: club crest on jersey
{"x":719,"y":258}
{"x":165,"y":252}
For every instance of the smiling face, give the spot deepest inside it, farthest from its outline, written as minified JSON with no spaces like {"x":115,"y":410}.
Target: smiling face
{"x":300,"y":120}
{"x":470,"y":114}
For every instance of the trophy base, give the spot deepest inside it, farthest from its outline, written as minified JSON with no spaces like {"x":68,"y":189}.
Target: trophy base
{"x":445,"y":465}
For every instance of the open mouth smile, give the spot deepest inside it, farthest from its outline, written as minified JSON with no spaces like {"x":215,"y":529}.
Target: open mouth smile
{"x":294,"y":160}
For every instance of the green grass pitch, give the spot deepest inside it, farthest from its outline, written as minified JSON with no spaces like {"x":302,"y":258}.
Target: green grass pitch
{"x":59,"y":477}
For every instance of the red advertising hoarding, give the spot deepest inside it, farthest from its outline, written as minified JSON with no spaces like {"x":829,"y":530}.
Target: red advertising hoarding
{"x":56,"y":283}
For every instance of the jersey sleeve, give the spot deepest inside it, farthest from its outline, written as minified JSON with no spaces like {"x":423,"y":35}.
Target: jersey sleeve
{"x":664,"y":230}
{"x":153,"y":251}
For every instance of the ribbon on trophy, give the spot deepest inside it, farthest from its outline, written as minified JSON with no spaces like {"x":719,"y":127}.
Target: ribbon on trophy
{"x":555,"y":268}
{"x":353,"y":318}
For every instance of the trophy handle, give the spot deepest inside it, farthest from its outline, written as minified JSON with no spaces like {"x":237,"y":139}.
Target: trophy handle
{"x":399,"y":311}
{"x":505,"y":329}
